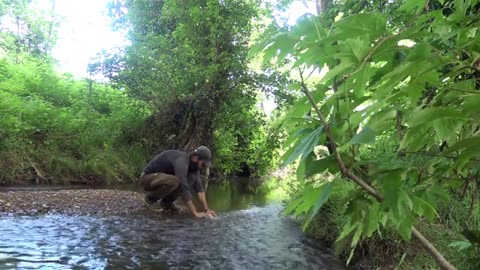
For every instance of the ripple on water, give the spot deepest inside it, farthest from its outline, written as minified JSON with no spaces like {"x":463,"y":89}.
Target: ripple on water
{"x":256,"y":238}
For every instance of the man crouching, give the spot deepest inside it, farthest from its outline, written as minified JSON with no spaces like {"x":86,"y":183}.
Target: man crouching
{"x":174,"y":173}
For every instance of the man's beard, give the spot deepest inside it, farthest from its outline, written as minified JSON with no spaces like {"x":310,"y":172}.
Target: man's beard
{"x":193,"y":166}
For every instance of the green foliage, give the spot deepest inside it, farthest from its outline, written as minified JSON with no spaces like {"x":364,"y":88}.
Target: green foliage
{"x":404,"y":73}
{"x":25,"y":29}
{"x":57,"y":129}
{"x":188,"y":62}
{"x":471,"y":246}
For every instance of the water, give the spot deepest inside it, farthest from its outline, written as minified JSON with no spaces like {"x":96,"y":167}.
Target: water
{"x":250,"y":234}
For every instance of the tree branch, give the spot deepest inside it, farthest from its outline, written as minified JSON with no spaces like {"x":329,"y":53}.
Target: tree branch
{"x":340,"y":162}
{"x":442,"y":262}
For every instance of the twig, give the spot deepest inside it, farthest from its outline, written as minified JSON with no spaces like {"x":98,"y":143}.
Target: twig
{"x":465,"y":186}
{"x":38,"y":172}
{"x":442,"y":262}
{"x":472,"y":204}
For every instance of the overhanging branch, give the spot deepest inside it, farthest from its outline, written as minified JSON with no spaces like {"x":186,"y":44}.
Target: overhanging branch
{"x":442,"y":262}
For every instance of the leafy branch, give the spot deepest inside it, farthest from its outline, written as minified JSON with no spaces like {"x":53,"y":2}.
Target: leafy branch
{"x":439,"y":258}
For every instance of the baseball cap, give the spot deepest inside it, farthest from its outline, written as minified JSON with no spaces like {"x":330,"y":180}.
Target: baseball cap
{"x":204,"y":154}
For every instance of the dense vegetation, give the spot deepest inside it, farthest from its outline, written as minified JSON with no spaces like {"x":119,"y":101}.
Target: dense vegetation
{"x":188,"y":62}
{"x":54,"y":128}
{"x":173,"y":87}
{"x":57,"y":129}
{"x":387,"y":126}
{"x":379,"y":102}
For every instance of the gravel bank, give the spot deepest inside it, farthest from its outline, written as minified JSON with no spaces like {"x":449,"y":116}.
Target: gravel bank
{"x":74,"y":202}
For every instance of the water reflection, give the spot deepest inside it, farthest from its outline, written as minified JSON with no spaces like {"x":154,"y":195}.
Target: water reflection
{"x":235,"y":195}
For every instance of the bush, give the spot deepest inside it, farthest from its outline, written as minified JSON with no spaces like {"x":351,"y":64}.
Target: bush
{"x":55,"y":129}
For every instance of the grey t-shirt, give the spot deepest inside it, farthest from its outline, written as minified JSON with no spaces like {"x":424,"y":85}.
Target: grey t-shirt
{"x":177,"y":163}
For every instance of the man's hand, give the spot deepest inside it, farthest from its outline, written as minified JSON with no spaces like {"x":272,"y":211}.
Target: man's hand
{"x":203,"y":199}
{"x":211,"y":213}
{"x":206,"y":215}
{"x":200,"y":215}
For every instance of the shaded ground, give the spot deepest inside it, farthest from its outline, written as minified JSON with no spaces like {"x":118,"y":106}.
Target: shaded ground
{"x":76,"y":202}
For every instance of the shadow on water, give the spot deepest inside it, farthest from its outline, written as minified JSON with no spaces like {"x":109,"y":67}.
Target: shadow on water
{"x":250,"y":234}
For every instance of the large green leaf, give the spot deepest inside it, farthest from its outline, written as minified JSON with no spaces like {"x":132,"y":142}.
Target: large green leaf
{"x":382,"y":119}
{"x":314,"y":167}
{"x":304,"y":147}
{"x":372,"y":219}
{"x":347,"y":229}
{"x":424,"y":209}
{"x":306,"y":201}
{"x":469,"y":154}
{"x":301,"y":170}
{"x":461,"y":245}
{"x":395,"y":198}
{"x":465,"y":143}
{"x":365,"y":136}
{"x":359,"y":48}
{"x":428,"y":115}
{"x":416,"y":138}
{"x":361,"y":80}
{"x":326,"y":189}
{"x":345,"y":65}
{"x":361,"y":25}
{"x":280,"y":45}
{"x":412,"y":4}
{"x":292,"y":205}
{"x":446,"y":128}
{"x":405,"y":226}
{"x":472,"y":104}
{"x":426,"y":75}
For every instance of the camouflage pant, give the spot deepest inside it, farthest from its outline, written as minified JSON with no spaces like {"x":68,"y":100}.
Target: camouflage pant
{"x":160,"y":186}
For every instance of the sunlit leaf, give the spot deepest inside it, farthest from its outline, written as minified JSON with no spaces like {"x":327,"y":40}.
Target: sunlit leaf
{"x":412,"y":4}
{"x":461,"y":245}
{"x":361,"y":25}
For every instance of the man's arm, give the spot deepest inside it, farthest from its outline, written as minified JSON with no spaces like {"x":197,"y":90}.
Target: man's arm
{"x":181,"y":171}
{"x":193,"y":210}
{"x":201,"y":195}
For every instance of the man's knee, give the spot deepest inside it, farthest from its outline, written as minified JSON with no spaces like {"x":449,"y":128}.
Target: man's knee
{"x":154,"y":181}
{"x":165,"y":181}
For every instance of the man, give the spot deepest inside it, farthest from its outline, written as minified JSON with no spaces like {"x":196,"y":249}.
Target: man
{"x":174,"y":173}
